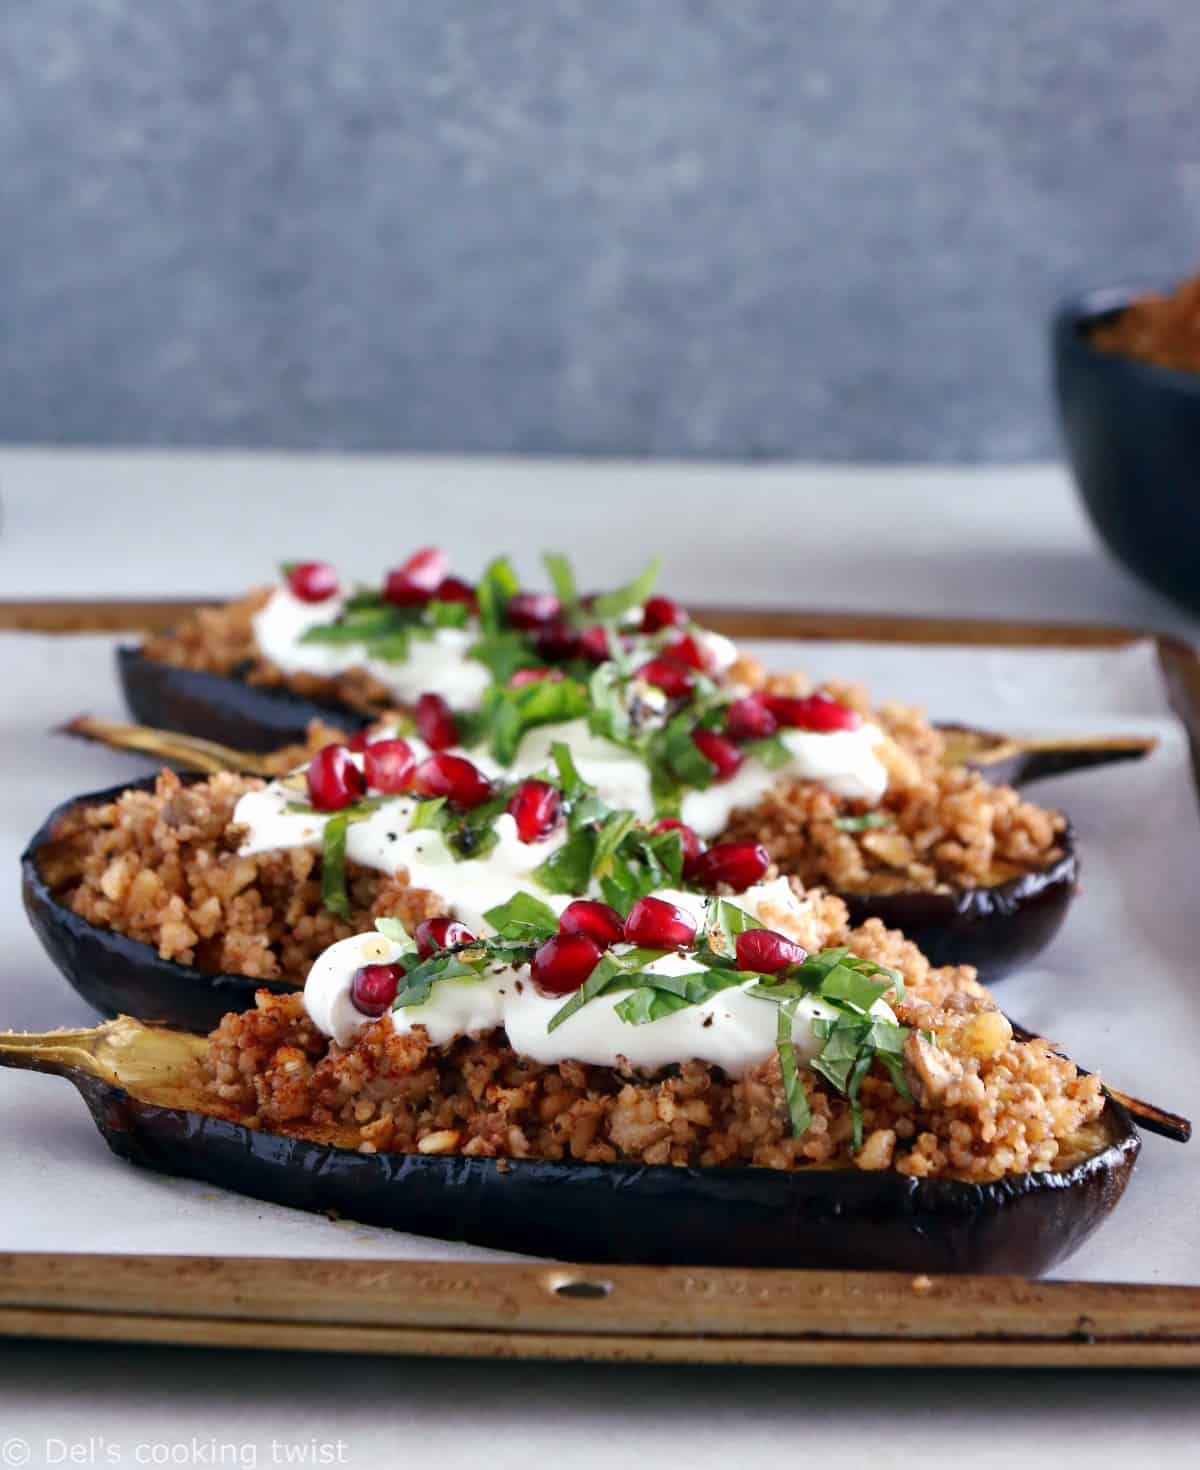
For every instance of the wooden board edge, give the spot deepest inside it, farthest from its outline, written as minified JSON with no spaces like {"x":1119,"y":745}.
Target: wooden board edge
{"x":272,"y":1336}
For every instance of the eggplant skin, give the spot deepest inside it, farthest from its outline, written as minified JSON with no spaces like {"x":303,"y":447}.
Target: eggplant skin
{"x":115,"y":974}
{"x":998,"y":930}
{"x":220,"y":707}
{"x":643,"y":1214}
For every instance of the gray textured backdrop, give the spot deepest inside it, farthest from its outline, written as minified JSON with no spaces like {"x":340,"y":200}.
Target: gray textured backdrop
{"x":643,"y":226}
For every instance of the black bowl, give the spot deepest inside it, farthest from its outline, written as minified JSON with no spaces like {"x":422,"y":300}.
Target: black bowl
{"x":1132,"y":433}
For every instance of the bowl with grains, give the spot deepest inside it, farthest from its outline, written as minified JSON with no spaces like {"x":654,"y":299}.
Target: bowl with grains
{"x":1127,"y":382}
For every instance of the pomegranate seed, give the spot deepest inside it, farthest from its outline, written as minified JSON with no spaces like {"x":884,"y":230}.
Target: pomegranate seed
{"x":593,"y":645}
{"x":750,"y":719}
{"x":674,"y":679}
{"x":313,"y":581}
{"x":813,"y":712}
{"x":460,"y":781}
{"x":657,"y":924}
{"x":535,"y":807}
{"x":722,"y":753}
{"x":435,"y":722}
{"x":692,"y":846}
{"x":334,"y":781}
{"x":535,"y":676}
{"x":767,"y":951}
{"x":595,"y":920}
{"x":555,"y":641}
{"x":686,"y":650}
{"x":359,"y":742}
{"x":454,"y":589}
{"x":440,"y":933}
{"x":564,"y":962}
{"x":660,"y":613}
{"x":388,"y":765}
{"x":532,"y":609}
{"x":418,"y":579}
{"x":739,"y":864}
{"x":374,"y":988}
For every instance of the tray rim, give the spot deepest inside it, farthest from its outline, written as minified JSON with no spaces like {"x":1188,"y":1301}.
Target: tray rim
{"x":729,"y":1317}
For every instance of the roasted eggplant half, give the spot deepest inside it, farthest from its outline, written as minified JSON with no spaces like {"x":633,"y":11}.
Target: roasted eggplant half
{"x":997,"y":929}
{"x":114,"y":973}
{"x":222,"y":707}
{"x":142,"y":1087}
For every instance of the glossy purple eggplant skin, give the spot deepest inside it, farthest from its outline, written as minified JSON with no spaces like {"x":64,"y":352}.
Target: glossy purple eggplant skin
{"x":222,"y":708}
{"x":115,"y":974}
{"x":643,"y":1214}
{"x":998,"y":930}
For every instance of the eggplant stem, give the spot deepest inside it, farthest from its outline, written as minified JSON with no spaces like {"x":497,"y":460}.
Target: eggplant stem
{"x":150,"y":1060}
{"x":189,"y":751}
{"x":982,"y":748}
{"x":1154,"y":1119}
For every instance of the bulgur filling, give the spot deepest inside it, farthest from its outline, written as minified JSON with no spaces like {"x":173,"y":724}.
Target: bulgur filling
{"x":963,"y":1099}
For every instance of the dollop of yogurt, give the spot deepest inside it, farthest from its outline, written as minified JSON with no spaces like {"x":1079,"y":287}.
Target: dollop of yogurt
{"x":733,"y":1029}
{"x":438,"y":663}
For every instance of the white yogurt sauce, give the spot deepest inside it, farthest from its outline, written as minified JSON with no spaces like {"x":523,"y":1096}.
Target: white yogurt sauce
{"x":732,"y":1029}
{"x":438,"y":664}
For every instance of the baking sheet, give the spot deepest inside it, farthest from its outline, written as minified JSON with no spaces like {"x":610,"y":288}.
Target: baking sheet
{"x":1117,"y":986}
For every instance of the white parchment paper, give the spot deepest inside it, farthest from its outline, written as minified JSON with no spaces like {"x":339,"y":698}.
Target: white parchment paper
{"x":1119,"y":987}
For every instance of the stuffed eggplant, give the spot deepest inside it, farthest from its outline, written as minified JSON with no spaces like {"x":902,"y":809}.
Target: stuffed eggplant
{"x":688,"y":1084}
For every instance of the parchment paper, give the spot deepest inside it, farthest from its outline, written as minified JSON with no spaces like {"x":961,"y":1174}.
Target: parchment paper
{"x":1118,"y":987}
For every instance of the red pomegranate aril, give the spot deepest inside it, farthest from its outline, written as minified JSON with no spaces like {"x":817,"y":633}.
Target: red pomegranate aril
{"x":535,"y":807}
{"x":388,"y":765}
{"x":692,"y":846}
{"x":459,"y":780}
{"x":739,"y":864}
{"x":564,"y":962}
{"x":597,"y":921}
{"x":656,"y":924}
{"x":334,"y":781}
{"x":374,"y":988}
{"x":435,"y":722}
{"x":723,"y":754}
{"x":442,"y":932}
{"x":660,"y":613}
{"x":359,"y":742}
{"x":555,"y":641}
{"x":686,"y":650}
{"x":454,"y":589}
{"x":812,"y":712}
{"x":674,"y":679}
{"x":535,"y":676}
{"x":750,"y":719}
{"x":593,"y":645}
{"x":767,"y":951}
{"x":313,"y":581}
{"x":529,"y":610}
{"x":418,"y":579}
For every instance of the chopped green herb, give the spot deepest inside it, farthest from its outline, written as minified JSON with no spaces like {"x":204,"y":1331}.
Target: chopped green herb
{"x":562,"y":579}
{"x":394,"y":930}
{"x":623,"y":599}
{"x":793,"y":1085}
{"x":498,"y":583}
{"x":867,"y":822}
{"x":447,"y":614}
{"x":523,"y":917}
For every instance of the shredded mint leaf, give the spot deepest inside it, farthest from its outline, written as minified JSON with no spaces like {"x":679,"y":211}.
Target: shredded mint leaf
{"x":724,"y":920}
{"x":569,"y":869}
{"x":571,"y":783}
{"x":608,"y":716}
{"x":447,"y":614}
{"x":607,"y":973}
{"x":429,"y":815}
{"x":773,"y":753}
{"x":562,"y":579}
{"x":394,"y":930}
{"x":793,"y":1086}
{"x":505,"y":652}
{"x":867,"y":822}
{"x":509,"y":713}
{"x":523,"y":917}
{"x":622,"y":599}
{"x":333,"y":866}
{"x":498,"y":583}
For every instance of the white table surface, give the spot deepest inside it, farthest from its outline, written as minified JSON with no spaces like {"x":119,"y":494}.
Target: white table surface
{"x":1005,"y":543}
